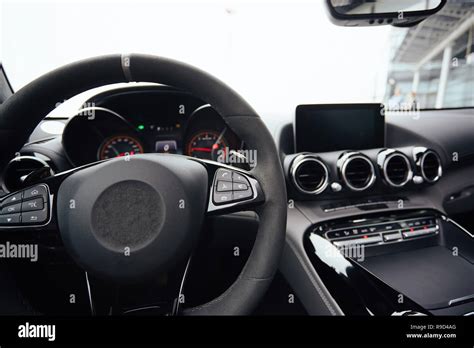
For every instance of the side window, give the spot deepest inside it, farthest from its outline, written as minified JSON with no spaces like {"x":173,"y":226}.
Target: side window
{"x":459,"y":85}
{"x":432,"y":64}
{"x":5,"y":87}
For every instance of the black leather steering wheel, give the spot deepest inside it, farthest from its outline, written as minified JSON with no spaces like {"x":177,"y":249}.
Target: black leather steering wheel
{"x":173,"y":193}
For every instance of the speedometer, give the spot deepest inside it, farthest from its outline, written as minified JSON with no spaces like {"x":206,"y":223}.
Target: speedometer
{"x":118,"y":146}
{"x":207,"y":145}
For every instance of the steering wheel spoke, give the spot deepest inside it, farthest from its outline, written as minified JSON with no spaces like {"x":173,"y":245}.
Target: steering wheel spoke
{"x":231,"y":189}
{"x":32,"y":208}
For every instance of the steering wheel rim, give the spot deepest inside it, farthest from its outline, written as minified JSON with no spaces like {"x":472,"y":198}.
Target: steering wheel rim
{"x":39,"y":97}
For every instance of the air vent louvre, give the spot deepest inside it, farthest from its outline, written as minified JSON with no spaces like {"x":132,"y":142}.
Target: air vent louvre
{"x":358,"y":173}
{"x":431,"y":166}
{"x":310,"y":175}
{"x":18,"y":168}
{"x":397,"y":170}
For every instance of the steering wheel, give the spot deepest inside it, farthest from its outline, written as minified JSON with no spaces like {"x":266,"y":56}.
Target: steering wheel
{"x":162,"y":199}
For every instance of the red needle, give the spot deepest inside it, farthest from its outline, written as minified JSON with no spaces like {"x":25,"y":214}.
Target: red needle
{"x":201,"y":149}
{"x":124,"y":154}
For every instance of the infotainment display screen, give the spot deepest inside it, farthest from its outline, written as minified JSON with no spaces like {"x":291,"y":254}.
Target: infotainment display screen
{"x":334,"y":127}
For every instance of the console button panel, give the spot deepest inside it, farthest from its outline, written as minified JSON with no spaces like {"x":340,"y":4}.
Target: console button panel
{"x":27,"y":207}
{"x":379,"y":233}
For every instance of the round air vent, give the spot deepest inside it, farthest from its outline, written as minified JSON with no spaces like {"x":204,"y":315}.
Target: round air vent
{"x":430,"y":166}
{"x":396,"y":169}
{"x":358,"y":172}
{"x":21,"y":168}
{"x":310,"y":175}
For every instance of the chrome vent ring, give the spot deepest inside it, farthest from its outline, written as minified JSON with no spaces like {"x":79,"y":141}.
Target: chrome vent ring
{"x":309,"y":175}
{"x":358,"y":172}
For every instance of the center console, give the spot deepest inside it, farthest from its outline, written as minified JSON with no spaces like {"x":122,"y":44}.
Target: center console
{"x":417,"y":262}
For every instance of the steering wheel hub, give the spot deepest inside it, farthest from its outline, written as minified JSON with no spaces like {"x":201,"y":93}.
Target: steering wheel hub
{"x":129,"y":213}
{"x":126,"y":220}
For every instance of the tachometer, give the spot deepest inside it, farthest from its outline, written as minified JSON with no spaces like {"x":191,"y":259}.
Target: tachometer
{"x":207,"y":145}
{"x":118,"y":146}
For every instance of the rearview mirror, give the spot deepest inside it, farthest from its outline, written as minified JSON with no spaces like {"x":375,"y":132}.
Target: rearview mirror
{"x":380,"y":12}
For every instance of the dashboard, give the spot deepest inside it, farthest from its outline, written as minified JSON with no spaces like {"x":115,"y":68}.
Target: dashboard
{"x":342,"y":154}
{"x":354,"y":180}
{"x":150,"y":120}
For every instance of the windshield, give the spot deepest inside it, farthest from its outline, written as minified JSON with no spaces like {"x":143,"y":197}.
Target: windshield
{"x":277,"y":54}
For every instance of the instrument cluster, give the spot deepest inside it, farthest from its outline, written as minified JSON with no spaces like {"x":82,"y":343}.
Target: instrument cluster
{"x":129,"y":122}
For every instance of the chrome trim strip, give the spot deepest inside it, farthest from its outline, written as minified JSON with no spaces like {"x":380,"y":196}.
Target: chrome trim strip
{"x":460,"y":300}
{"x":89,"y":293}
{"x":140,"y":309}
{"x":459,"y":226}
{"x":181,"y":287}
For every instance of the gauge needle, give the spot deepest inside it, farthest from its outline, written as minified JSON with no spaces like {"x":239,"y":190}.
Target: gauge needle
{"x":125,"y":154}
{"x":116,"y":152}
{"x":201,"y":149}
{"x":216,"y":144}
